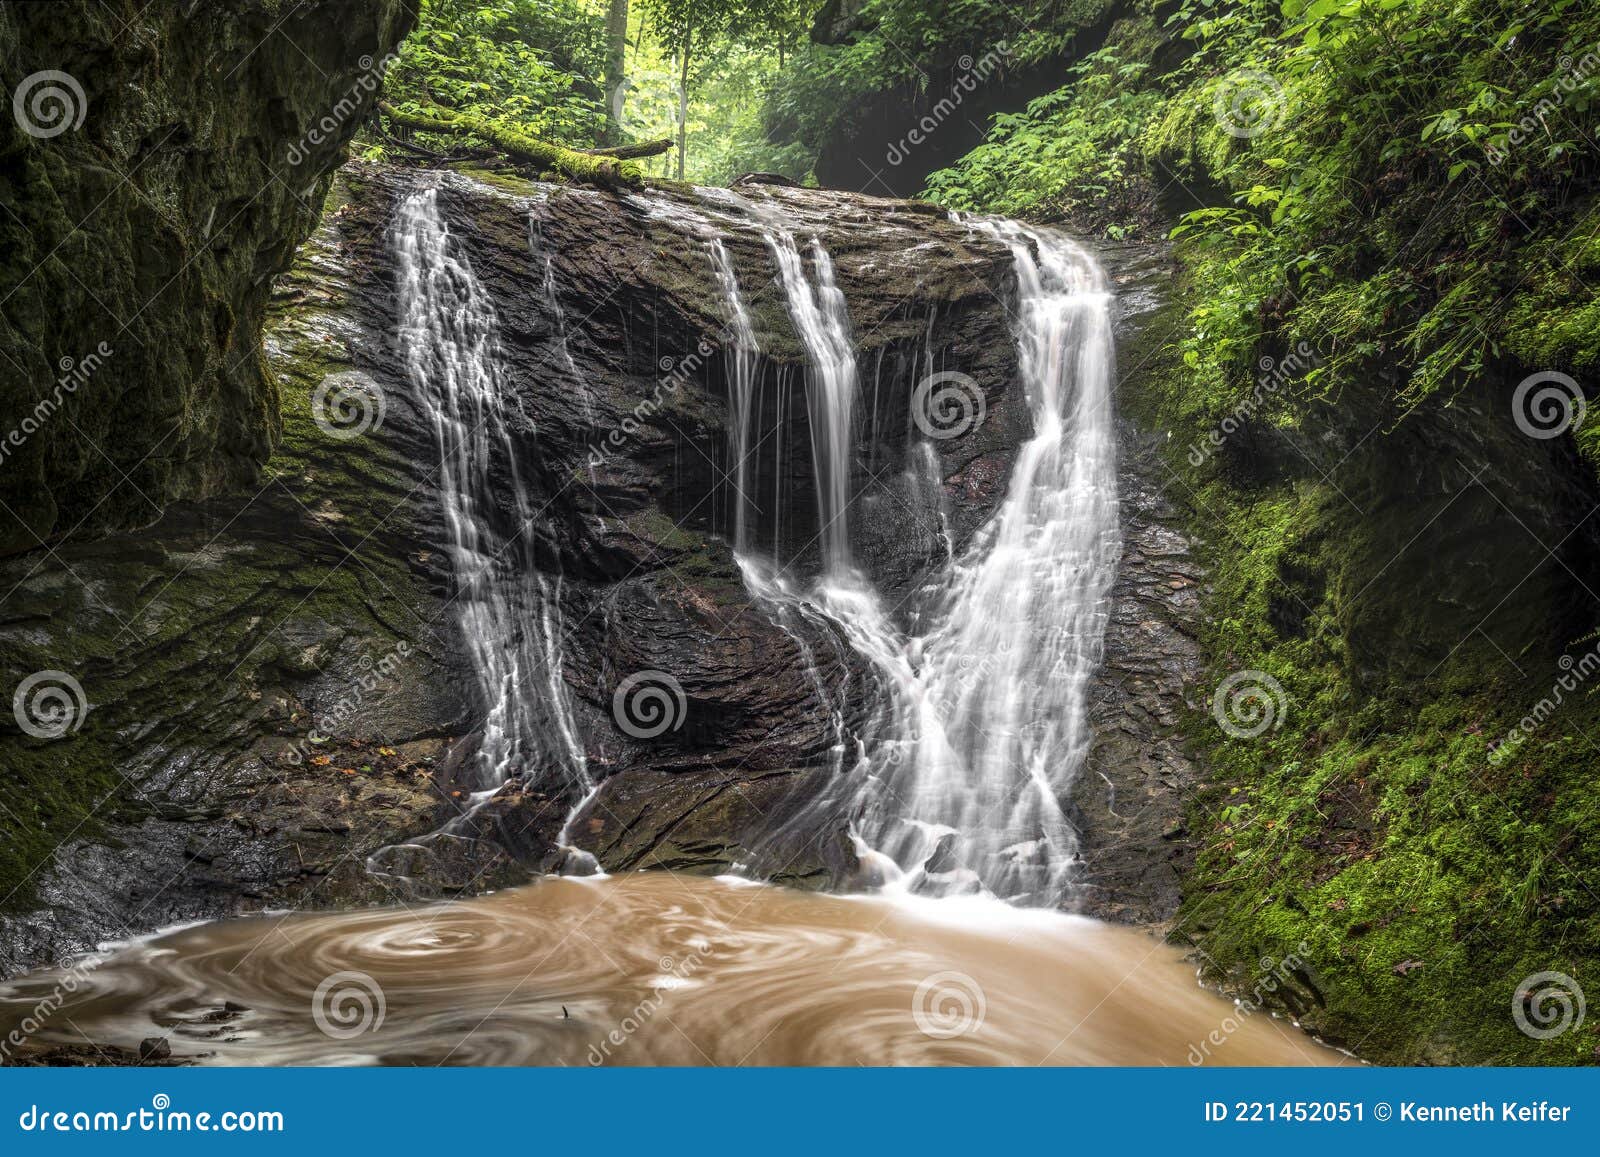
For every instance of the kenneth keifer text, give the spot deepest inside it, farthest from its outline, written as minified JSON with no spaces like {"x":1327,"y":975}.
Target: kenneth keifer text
{"x":1484,"y":1111}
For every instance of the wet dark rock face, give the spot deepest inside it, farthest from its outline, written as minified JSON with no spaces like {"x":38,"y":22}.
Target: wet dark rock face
{"x":1128,"y":802}
{"x":169,"y":159}
{"x":274,"y":682}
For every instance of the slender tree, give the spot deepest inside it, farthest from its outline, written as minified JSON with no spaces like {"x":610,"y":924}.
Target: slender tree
{"x":616,"y":75}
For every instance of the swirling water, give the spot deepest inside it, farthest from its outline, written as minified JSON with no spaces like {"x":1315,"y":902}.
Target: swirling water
{"x":657,"y":969}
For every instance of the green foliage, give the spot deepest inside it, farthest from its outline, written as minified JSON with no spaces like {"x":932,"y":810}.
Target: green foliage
{"x":1070,"y":153}
{"x":1395,"y":171}
{"x":904,"y":50}
{"x":535,"y":67}
{"x":532,"y":63}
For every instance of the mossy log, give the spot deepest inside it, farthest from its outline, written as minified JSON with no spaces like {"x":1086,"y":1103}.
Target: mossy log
{"x":632,"y":152}
{"x":611,"y":168}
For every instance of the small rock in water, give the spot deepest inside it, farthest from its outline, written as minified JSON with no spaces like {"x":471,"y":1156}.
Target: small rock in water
{"x":154,"y":1048}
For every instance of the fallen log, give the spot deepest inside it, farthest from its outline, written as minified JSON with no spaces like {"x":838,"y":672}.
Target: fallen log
{"x":632,"y":152}
{"x":600,"y":169}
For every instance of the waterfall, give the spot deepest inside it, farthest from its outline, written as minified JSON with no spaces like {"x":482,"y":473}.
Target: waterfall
{"x":982,"y":725}
{"x":823,"y":324}
{"x":980,"y":718}
{"x":989,"y":731}
{"x":745,"y":364}
{"x":552,"y":302}
{"x":508,"y":612}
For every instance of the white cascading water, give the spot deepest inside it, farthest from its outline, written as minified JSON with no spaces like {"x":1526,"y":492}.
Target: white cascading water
{"x":982,"y":724}
{"x":822,"y":321}
{"x":983,"y":727}
{"x":507,"y":610}
{"x":992,"y":727}
{"x":745,"y":361}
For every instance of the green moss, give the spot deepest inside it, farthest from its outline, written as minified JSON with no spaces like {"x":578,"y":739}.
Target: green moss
{"x":1370,"y":824}
{"x":279,"y":608}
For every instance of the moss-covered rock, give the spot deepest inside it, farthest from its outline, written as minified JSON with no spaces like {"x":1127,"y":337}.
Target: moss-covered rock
{"x":1412,"y":822}
{"x":168,"y":160}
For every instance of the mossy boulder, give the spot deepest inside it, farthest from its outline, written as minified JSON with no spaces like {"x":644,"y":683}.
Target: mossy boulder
{"x":166,"y":161}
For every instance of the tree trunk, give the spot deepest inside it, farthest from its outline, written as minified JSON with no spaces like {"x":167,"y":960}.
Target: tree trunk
{"x":683,"y":99}
{"x":616,"y":69}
